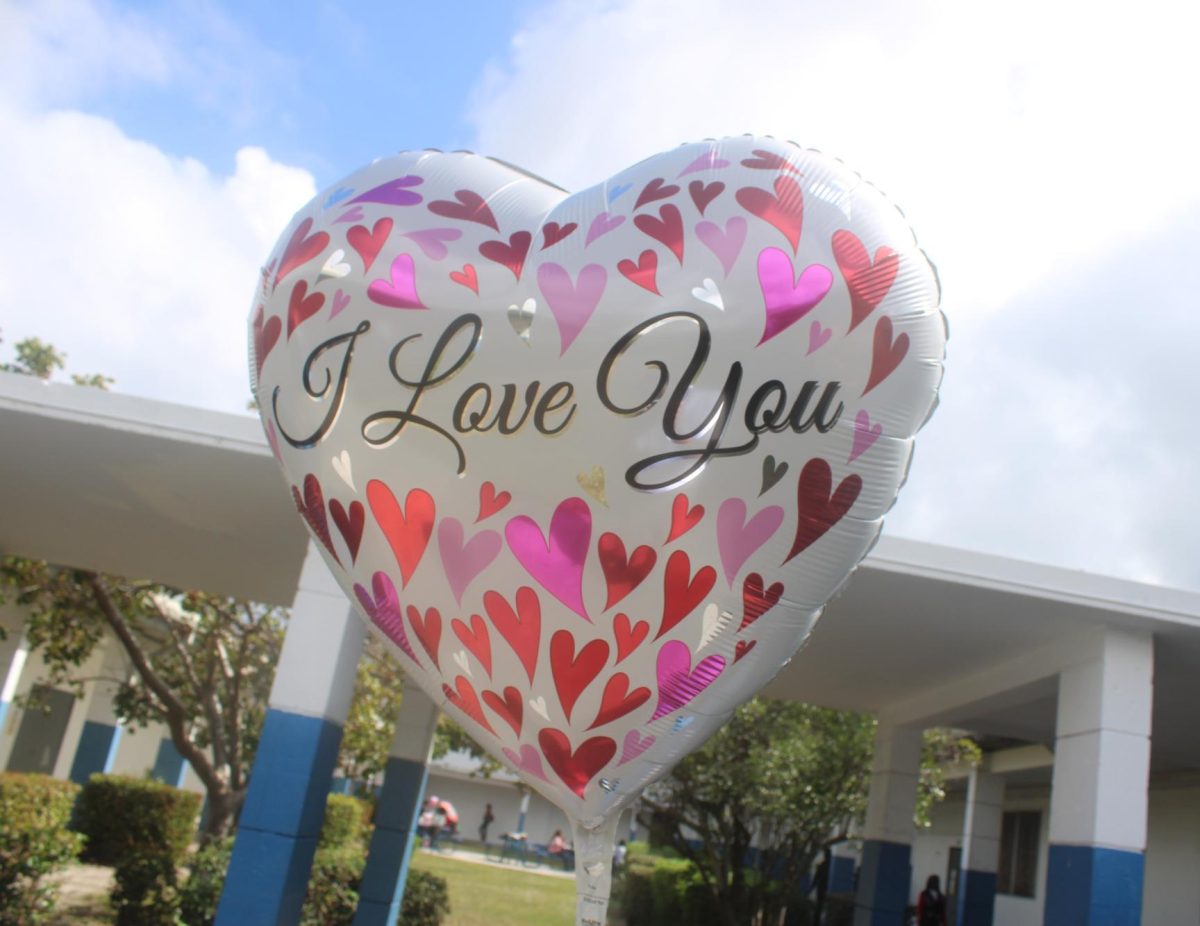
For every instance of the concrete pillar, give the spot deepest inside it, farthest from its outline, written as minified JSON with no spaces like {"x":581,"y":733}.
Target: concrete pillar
{"x":886,"y":873}
{"x":101,"y":734}
{"x":13,"y":667}
{"x":1101,"y":771}
{"x":285,"y":806}
{"x":382,"y":891}
{"x":981,"y":849}
{"x":842,"y":867}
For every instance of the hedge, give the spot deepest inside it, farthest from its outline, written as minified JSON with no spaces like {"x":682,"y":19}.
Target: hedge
{"x":34,"y":841}
{"x":345,"y":822}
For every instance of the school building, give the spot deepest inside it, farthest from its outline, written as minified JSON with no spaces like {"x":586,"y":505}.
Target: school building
{"x":1081,"y":688}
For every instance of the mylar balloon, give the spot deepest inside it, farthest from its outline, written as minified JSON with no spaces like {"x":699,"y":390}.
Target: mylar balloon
{"x":593,"y":463}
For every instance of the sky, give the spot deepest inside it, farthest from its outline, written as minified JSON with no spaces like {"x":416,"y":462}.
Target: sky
{"x":1046,"y":153}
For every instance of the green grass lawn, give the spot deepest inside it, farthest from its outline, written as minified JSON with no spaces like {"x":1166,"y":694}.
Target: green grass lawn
{"x":483,"y":895}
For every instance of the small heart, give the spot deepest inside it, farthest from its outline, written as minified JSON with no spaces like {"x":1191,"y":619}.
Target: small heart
{"x":682,"y":723}
{"x":511,"y":254}
{"x":465,"y":699}
{"x":553,"y":233}
{"x":368,"y":244}
{"x":266,"y":334}
{"x":574,"y":671}
{"x":643,"y":272}
{"x":618,"y":700}
{"x":769,"y":160}
{"x":475,"y":638}
{"x":742,"y":648}
{"x":311,"y":504}
{"x":463,"y":560}
{"x":466,"y":277}
{"x":711,"y":624}
{"x":556,"y":558}
{"x":706,"y":161}
{"x":341,"y":466}
{"x":622,"y":575}
{"x":865,"y":435}
{"x":428,"y":629}
{"x":469,"y":207}
{"x":820,"y":506}
{"x":350,"y":215}
{"x":521,"y":318}
{"x":756,"y":601}
{"x":335,"y":267}
{"x":384,"y":611}
{"x":400,"y":290}
{"x":301,"y":248}
{"x":725,"y":243}
{"x":628,"y":637}
{"x":738,"y":538}
{"x":635,"y":744}
{"x":772,"y":472}
{"x":784,"y":209}
{"x":508,"y":708}
{"x":527,"y":760}
{"x":393,"y":193}
{"x":337,"y":196}
{"x":460,"y":660}
{"x":788,"y":298}
{"x":702,"y":194}
{"x":602,"y":225}
{"x":593,"y":484}
{"x":538,"y":706}
{"x":665,"y":228}
{"x":707,"y":292}
{"x":490,"y":501}
{"x":571,"y":302}
{"x":683,"y":591}
{"x":654,"y":191}
{"x":302,"y":306}
{"x":886,"y":353}
{"x":683,"y":518}
{"x":818,"y":337}
{"x":618,"y":190}
{"x":678,"y":682}
{"x":521,"y":627}
{"x":349,"y":523}
{"x":867,"y":282}
{"x":576,"y":768}
{"x":340,"y":301}
{"x":432,"y":241}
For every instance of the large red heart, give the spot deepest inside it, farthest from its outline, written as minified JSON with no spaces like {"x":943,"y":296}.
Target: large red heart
{"x":576,"y":768}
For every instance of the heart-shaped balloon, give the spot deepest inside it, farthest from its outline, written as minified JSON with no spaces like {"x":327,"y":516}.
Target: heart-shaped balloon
{"x":602,"y":482}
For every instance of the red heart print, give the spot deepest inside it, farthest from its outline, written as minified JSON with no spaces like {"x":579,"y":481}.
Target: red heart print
{"x":476,"y":639}
{"x":471,"y":207}
{"x":428,"y":629}
{"x":886,"y":354}
{"x":654,"y":191}
{"x":572,"y":671}
{"x":311,"y":505}
{"x":368,"y":244}
{"x":784,"y":209}
{"x":742,"y":648}
{"x":407,"y":529}
{"x":642,"y":273}
{"x":682,"y":591}
{"x":490,"y":501}
{"x":666,"y":229}
{"x":769,"y":160}
{"x":511,"y":255}
{"x":301,"y":248}
{"x":618,"y":700}
{"x":628,"y":637}
{"x":302,"y":307}
{"x":522,"y":627}
{"x":467,"y":701}
{"x":820,"y":507}
{"x":553,"y":233}
{"x":510,"y":708}
{"x":349,"y":524}
{"x":867,"y":282}
{"x":704,"y":193}
{"x":576,"y":768}
{"x":756,"y":602}
{"x":466,"y":277}
{"x":266,"y":334}
{"x":683,"y":519}
{"x":623,"y":575}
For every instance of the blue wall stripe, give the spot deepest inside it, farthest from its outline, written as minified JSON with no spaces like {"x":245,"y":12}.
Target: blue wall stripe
{"x":976,"y":898}
{"x":169,"y":766}
{"x":883,"y":883}
{"x":3,"y":713}
{"x":96,"y":752}
{"x":1092,"y":886}
{"x":841,"y":875}
{"x":382,"y":891}
{"x":280,"y":822}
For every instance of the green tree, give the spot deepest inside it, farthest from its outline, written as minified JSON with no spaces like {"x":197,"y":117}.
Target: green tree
{"x":788,"y":781}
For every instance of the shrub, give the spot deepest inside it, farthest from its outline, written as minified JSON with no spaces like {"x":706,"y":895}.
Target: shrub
{"x":345,"y":822}
{"x":426,"y":899}
{"x":143,"y":829}
{"x":34,"y":841}
{"x":333,"y":887}
{"x":200,"y":894}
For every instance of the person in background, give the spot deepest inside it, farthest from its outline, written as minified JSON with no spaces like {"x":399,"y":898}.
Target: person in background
{"x":931,"y":905}
{"x":619,"y":854}
{"x":488,"y":817}
{"x":428,"y":823}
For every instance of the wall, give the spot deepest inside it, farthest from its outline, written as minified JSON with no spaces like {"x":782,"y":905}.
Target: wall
{"x":1172,"y":886}
{"x":1027,"y":911}
{"x":931,"y":848}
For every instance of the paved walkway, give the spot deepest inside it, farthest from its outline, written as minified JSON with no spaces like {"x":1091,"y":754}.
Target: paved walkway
{"x":493,"y":859}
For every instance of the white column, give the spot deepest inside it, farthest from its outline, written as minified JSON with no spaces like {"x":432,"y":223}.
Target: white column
{"x":981,"y":848}
{"x":1101,"y":772}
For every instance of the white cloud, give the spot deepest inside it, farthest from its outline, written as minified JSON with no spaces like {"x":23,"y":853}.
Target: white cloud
{"x":1045,"y":154}
{"x":138,"y":265}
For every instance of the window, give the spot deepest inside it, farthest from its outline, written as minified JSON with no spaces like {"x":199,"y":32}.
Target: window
{"x":1019,"y":835}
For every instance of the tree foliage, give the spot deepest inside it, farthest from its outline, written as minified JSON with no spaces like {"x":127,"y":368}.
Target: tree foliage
{"x":766,"y":795}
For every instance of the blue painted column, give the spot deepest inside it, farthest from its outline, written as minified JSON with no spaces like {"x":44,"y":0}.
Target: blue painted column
{"x":285,"y":806}
{"x":885,"y":878}
{"x":100,"y":737}
{"x":1101,"y":771}
{"x":382,"y":891}
{"x":841,"y":869}
{"x":981,"y":849}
